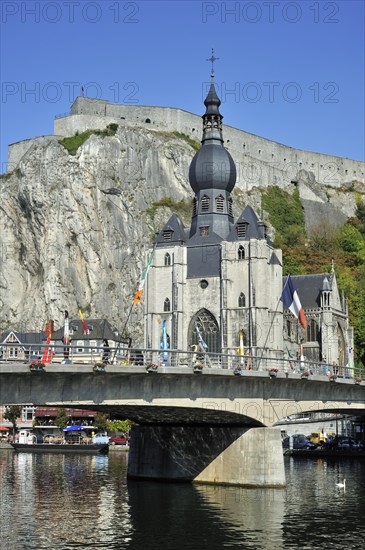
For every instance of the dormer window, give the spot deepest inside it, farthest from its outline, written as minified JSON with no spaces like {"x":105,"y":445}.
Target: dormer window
{"x":167,"y":235}
{"x":241,"y":230}
{"x":167,"y":259}
{"x":241,"y":253}
{"x":205,"y":203}
{"x":219,"y":203}
{"x":204,"y":230}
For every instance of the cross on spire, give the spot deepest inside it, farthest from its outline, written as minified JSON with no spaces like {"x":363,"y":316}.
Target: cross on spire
{"x":212,"y":59}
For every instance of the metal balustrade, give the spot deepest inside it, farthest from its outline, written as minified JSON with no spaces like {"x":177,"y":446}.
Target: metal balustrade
{"x":176,"y":358}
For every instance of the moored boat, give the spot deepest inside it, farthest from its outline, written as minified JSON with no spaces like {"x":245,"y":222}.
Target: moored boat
{"x":27,"y":443}
{"x":86,"y":448}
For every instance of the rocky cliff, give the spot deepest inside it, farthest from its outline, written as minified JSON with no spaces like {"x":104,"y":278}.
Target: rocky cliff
{"x":75,"y":228}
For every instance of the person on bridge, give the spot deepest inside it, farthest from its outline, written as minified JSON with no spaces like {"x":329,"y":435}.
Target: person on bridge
{"x":106,"y":351}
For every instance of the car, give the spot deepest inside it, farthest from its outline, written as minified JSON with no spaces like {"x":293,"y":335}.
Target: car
{"x":118,"y":440}
{"x":299,"y":442}
{"x":346,"y":443}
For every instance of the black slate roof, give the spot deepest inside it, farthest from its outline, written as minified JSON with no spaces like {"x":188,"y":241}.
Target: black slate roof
{"x":309,"y":288}
{"x":99,"y":329}
{"x":255,"y":227}
{"x":177,"y":227}
{"x":25,"y":337}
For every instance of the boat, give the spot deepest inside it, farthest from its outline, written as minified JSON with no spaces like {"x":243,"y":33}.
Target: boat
{"x":27,"y":443}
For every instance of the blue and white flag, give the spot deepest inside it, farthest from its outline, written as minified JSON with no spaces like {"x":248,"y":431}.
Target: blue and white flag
{"x":164,"y":341}
{"x":201,"y":341}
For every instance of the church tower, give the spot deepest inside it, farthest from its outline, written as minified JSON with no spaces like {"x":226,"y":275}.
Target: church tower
{"x":218,"y":277}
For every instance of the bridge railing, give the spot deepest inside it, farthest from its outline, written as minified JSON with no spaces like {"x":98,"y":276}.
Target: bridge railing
{"x":124,"y":356}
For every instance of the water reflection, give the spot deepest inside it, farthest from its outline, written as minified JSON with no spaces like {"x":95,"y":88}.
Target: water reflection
{"x":74,"y":501}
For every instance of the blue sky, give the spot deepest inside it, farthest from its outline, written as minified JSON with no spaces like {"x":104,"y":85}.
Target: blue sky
{"x":289,"y":71}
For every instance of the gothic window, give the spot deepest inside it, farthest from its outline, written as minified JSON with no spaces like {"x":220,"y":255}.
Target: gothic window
{"x":167,"y":235}
{"x":312,"y":331}
{"x":194,"y":207}
{"x":230,"y":209}
{"x":205,"y":203}
{"x":204,"y":230}
{"x":167,"y":259}
{"x":219,"y":203}
{"x":241,"y":253}
{"x":208,"y":329}
{"x":166,"y":305}
{"x":241,"y":230}
{"x":241,"y":300}
{"x":288,"y":328}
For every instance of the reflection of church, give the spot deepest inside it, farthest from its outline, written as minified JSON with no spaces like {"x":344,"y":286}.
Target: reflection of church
{"x":221,"y":276}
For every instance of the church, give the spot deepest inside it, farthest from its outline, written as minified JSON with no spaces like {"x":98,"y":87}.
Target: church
{"x":220,"y":281}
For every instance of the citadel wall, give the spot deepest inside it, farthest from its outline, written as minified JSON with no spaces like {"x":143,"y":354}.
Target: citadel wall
{"x":260,"y":162}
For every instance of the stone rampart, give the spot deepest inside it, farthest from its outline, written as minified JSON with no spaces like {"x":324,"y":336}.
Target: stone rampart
{"x":260,"y":162}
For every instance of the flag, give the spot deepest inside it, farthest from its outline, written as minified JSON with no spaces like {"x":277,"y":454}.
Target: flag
{"x":84,"y":324}
{"x":201,"y":341}
{"x":291,"y":300}
{"x":164,"y":341}
{"x":241,"y":349}
{"x":138,"y":294}
{"x":291,"y":357}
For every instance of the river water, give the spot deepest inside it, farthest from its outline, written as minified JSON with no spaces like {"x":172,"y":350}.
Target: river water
{"x":78,"y":501}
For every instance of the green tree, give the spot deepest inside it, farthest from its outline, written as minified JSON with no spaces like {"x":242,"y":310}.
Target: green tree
{"x":12,"y":413}
{"x":101,"y":421}
{"x":61,"y":419}
{"x":119,"y":426}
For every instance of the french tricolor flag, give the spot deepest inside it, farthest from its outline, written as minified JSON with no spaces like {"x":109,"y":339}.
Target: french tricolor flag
{"x":291,"y":300}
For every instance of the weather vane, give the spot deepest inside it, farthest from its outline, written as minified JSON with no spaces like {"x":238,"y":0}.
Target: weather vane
{"x":212,"y":59}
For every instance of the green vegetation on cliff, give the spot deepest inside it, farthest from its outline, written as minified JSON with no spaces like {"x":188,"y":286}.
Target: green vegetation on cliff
{"x":182,"y":208}
{"x":74,"y":142}
{"x":313,"y":253}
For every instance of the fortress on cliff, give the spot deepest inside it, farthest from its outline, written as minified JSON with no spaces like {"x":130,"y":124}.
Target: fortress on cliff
{"x":260,"y":162}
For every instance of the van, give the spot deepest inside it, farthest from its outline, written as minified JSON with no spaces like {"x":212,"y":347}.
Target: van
{"x":317,"y":437}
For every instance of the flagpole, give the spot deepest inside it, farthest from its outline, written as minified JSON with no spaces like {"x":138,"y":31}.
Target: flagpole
{"x":272,"y":322}
{"x":144,"y":276}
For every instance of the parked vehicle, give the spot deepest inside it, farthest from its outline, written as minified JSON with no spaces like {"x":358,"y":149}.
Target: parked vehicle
{"x":300,"y":441}
{"x":347,"y":443}
{"x":317,"y":437}
{"x":118,"y":440}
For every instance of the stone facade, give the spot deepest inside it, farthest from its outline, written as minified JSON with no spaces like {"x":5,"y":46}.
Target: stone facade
{"x":221,"y":281}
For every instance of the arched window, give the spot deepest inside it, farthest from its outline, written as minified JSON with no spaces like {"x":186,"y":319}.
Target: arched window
{"x":208,"y":329}
{"x":205,"y":203}
{"x":312,"y":331}
{"x":242,"y":300}
{"x":241,"y":253}
{"x":166,"y":305}
{"x":219,"y":203}
{"x":148,"y":121}
{"x":167,"y":259}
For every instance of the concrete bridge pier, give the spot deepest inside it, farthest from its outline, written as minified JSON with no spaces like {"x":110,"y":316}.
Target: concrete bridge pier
{"x":227,"y":455}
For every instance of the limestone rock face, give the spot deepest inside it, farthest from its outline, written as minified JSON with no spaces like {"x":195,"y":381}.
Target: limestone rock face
{"x":75,"y":230}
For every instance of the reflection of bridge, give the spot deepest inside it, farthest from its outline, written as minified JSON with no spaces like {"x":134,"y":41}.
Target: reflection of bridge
{"x":209,"y":427}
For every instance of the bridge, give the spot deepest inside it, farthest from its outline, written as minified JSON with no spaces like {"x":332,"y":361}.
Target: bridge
{"x":211,"y":427}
